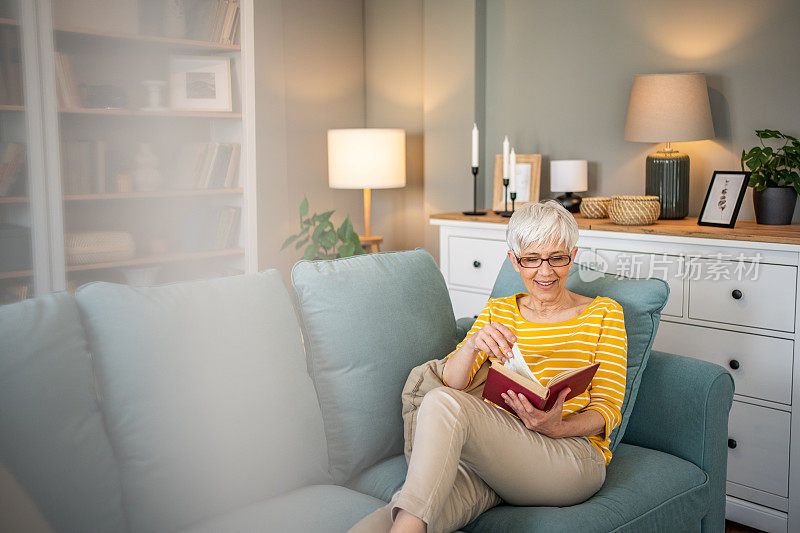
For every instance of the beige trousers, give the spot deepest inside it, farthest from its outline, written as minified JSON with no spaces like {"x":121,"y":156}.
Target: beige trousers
{"x":469,"y":456}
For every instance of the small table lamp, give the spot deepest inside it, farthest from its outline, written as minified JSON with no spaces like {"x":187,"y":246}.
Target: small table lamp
{"x":367,"y":159}
{"x":669,"y":108}
{"x":569,"y":176}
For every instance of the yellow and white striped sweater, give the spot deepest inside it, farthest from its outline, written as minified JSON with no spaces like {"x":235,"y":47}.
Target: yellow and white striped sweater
{"x":597,"y":335}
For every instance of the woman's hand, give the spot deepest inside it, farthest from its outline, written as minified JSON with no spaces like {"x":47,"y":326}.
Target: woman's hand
{"x":495,"y":340}
{"x":545,"y":422}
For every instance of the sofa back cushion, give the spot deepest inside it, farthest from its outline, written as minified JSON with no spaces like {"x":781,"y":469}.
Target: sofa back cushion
{"x":367,"y":321}
{"x":642,"y":301}
{"x":52,"y":437}
{"x":205,"y":393}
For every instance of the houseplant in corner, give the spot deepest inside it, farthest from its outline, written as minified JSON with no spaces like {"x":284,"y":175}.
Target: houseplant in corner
{"x":774,"y":177}
{"x":322,"y":238}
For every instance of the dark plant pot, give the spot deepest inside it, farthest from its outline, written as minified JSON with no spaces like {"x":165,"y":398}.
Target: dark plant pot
{"x":774,"y":205}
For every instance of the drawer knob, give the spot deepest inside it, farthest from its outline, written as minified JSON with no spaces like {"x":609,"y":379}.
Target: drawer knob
{"x":476,"y":264}
{"x":731,"y":443}
{"x":734,"y":364}
{"x":736,"y":293}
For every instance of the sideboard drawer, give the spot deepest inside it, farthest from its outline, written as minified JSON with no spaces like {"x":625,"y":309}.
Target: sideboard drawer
{"x":467,"y":304}
{"x":763,"y":301}
{"x":475,"y":262}
{"x":644,"y":265}
{"x":763,"y":365}
{"x":760,"y":458}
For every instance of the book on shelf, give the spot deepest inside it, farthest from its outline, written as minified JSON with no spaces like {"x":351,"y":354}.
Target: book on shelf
{"x":501,"y":379}
{"x":83,"y":167}
{"x":69,"y":96}
{"x":203,"y":229}
{"x":11,"y":58}
{"x":207,"y":166}
{"x":16,"y":292}
{"x":12,"y":167}
{"x":227,"y":230}
{"x":214,"y":21}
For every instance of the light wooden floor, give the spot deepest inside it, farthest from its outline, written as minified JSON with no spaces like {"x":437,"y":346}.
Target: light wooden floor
{"x":733,"y":527}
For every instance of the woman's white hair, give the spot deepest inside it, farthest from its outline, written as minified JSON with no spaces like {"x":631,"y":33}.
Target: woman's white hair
{"x":541,"y":223}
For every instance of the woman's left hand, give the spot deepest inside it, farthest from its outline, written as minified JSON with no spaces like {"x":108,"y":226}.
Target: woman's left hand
{"x":545,"y":422}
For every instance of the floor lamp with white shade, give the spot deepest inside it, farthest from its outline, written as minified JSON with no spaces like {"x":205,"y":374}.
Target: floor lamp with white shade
{"x":367,"y":158}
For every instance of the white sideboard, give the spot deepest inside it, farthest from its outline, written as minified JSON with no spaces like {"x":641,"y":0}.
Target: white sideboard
{"x":733,"y":301}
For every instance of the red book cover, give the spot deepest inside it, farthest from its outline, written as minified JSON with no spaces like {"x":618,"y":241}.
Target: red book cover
{"x":500,"y":381}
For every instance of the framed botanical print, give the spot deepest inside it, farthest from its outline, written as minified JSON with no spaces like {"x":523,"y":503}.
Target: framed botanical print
{"x":724,"y":198}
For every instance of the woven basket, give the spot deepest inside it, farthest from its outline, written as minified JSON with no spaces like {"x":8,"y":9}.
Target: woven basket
{"x":85,"y":247}
{"x":595,"y":207}
{"x":634,"y":210}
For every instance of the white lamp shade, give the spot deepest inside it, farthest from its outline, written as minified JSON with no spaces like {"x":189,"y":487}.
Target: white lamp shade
{"x":669,"y":108}
{"x":366,"y":158}
{"x":569,"y":175}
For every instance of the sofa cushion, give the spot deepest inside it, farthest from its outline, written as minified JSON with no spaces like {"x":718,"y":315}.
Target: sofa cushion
{"x":383,"y":479}
{"x":642,"y":301}
{"x":205,"y":395}
{"x":327,"y":508}
{"x":51,"y":431}
{"x":367,"y":321}
{"x":644,"y":489}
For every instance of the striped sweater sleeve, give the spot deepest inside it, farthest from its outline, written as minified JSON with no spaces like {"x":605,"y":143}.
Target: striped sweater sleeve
{"x":607,"y":389}
{"x":484,"y":318}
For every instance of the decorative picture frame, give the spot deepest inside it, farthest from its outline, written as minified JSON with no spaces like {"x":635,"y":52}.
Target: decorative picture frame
{"x":723,"y":198}
{"x":200,"y":83}
{"x":529,"y":176}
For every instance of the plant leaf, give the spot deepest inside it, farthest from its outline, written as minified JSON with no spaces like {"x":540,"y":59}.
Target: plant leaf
{"x":328,"y":239}
{"x":304,"y":206}
{"x":289,"y":240}
{"x":311,"y":251}
{"x":346,"y":250}
{"x":301,"y":243}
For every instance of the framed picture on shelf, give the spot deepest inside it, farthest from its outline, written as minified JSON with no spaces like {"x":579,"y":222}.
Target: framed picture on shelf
{"x":724,"y":198}
{"x":200,"y":83}
{"x":528,"y":176}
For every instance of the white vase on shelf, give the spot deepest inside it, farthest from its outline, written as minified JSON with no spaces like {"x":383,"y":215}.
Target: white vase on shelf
{"x":147,"y":176}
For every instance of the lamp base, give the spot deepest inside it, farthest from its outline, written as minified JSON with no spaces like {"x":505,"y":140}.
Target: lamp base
{"x":571,"y":202}
{"x":473,"y":213}
{"x":667,"y":176}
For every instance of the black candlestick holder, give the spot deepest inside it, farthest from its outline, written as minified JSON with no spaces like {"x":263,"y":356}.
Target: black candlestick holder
{"x":513,"y":196}
{"x":474,"y":211}
{"x":505,"y":198}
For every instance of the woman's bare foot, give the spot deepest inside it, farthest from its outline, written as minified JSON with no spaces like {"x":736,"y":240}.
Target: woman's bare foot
{"x":406,"y":522}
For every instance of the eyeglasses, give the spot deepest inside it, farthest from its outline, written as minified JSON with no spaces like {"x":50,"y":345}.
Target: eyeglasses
{"x":536,"y":262}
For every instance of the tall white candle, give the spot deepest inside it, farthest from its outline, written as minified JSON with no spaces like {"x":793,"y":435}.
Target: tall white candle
{"x":474,"y":145}
{"x":512,"y":169}
{"x":505,"y":157}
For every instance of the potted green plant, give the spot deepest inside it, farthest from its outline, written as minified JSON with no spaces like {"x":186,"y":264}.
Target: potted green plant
{"x":320,"y":237}
{"x":774,"y":177}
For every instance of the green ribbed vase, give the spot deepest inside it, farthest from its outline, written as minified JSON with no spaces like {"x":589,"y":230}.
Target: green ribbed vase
{"x":667,"y":176}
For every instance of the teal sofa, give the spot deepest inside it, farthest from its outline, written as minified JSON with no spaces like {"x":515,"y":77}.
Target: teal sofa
{"x":226,"y":405}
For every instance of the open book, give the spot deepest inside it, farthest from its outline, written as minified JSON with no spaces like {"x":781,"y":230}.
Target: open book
{"x":501,"y":379}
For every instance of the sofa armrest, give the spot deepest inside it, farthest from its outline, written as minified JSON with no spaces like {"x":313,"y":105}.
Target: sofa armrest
{"x":464,"y":325}
{"x":682,"y":409}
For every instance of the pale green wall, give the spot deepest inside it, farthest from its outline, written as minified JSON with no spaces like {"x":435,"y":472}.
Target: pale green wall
{"x":559,"y":74}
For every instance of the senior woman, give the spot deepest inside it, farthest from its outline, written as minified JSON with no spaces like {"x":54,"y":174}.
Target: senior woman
{"x":468,"y":455}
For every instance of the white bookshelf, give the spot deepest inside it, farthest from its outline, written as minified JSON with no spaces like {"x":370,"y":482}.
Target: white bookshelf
{"x":173,"y":226}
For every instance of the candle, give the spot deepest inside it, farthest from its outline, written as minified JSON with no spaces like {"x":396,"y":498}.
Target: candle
{"x":474,"y":145}
{"x":512,"y":169}
{"x":505,"y":158}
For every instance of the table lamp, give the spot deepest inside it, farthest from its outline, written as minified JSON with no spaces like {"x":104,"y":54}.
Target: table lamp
{"x":669,"y":108}
{"x":569,"y":176}
{"x":367,"y":158}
